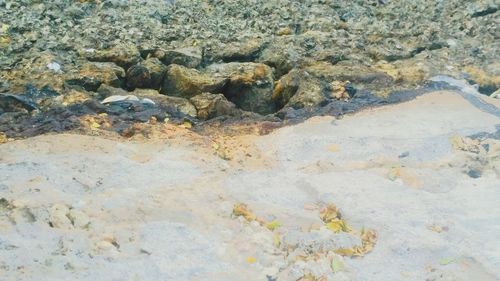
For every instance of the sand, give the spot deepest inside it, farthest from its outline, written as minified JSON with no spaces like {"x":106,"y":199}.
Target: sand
{"x":89,"y":208}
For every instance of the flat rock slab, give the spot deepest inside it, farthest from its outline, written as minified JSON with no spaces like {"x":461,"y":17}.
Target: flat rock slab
{"x":161,"y":210}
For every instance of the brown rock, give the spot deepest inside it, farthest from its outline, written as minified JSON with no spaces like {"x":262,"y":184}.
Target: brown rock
{"x":124,"y":55}
{"x":189,"y":57}
{"x":186,"y":82}
{"x":250,"y":85}
{"x":167,"y":102}
{"x":212,"y":105}
{"x":146,"y":74}
{"x":91,"y":75}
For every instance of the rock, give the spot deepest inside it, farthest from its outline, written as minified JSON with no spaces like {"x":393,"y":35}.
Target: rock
{"x":250,"y":85}
{"x":146,"y":74}
{"x":15,"y":103}
{"x":107,"y":91}
{"x":244,"y":51}
{"x":299,"y":89}
{"x":124,"y":55}
{"x":92,"y":75}
{"x":212,"y":105}
{"x":186,"y":82}
{"x":31,"y":99}
{"x":75,"y":96}
{"x":340,"y":90}
{"x":170,"y":104}
{"x":282,"y":54}
{"x":318,"y":84}
{"x":190,"y":57}
{"x":496,"y":94}
{"x":488,"y":82}
{"x":350,"y":71}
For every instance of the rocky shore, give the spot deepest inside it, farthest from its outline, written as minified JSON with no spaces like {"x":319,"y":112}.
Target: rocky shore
{"x":207,"y":64}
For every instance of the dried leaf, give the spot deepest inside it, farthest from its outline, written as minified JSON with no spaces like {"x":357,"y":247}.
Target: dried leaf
{"x":338,"y":226}
{"x":251,"y":259}
{"x":329,"y":213}
{"x":345,"y":252}
{"x":368,"y":240}
{"x":187,"y":125}
{"x":241,"y":209}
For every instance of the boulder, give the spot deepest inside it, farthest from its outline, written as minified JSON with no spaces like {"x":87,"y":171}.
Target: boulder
{"x":210,"y":106}
{"x":282,"y":54}
{"x":124,"y":55}
{"x":190,"y":57}
{"x":146,"y":74}
{"x":318,"y":84}
{"x":170,"y":105}
{"x":185,"y":82}
{"x":91,"y":75}
{"x":299,"y":89}
{"x":241,"y":51}
{"x":167,"y":102}
{"x":250,"y":85}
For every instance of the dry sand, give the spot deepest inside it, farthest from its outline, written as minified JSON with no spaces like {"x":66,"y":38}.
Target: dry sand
{"x":89,"y":208}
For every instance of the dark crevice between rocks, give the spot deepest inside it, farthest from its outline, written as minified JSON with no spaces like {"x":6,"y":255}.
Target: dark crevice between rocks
{"x":488,"y":11}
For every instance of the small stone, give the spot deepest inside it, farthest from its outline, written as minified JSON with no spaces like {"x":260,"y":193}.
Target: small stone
{"x":54,"y":66}
{"x":284,"y":31}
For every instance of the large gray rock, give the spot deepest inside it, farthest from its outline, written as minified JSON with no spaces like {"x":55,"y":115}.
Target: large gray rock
{"x":250,"y":85}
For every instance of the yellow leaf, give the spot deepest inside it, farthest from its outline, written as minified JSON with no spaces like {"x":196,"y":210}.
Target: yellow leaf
{"x":273,"y":225}
{"x":251,"y":259}
{"x":241,"y":209}
{"x":337,"y":226}
{"x":187,"y":125}
{"x":329,"y":213}
{"x":345,"y":252}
